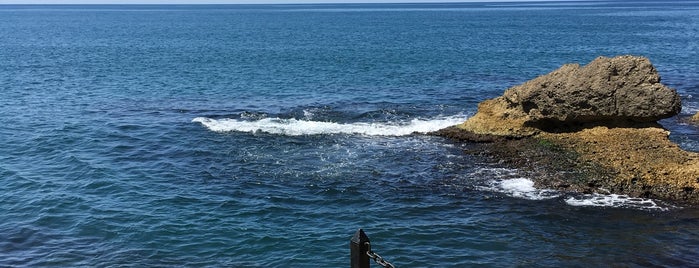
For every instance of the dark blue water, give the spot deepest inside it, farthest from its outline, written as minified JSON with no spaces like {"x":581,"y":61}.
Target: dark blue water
{"x":265,"y":135}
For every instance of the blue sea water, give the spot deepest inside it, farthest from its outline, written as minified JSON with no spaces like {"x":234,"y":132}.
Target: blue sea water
{"x":266,"y":135}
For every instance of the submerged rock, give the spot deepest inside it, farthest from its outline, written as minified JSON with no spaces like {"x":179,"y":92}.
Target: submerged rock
{"x":597,"y":122}
{"x":695,"y":118}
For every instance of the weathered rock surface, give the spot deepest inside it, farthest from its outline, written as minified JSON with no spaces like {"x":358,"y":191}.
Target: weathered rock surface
{"x":643,"y":161}
{"x":596,"y":121}
{"x":620,"y":89}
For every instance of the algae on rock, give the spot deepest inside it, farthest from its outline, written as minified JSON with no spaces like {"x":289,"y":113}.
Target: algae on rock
{"x":605,"y":114}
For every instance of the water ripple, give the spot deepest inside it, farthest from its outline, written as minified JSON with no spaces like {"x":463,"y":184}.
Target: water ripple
{"x":101,"y":165}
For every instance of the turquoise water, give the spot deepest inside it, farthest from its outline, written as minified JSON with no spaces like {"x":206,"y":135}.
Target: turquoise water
{"x":265,"y":135}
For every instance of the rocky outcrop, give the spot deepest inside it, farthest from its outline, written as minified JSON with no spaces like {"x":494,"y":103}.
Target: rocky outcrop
{"x":618,"y":90}
{"x":643,"y":161}
{"x":597,"y":120}
{"x":622,"y":88}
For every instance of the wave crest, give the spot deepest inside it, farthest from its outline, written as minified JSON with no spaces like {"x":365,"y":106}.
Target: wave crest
{"x":295,"y":127}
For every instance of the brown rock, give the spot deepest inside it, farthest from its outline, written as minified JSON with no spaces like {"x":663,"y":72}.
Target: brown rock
{"x":645,"y":161}
{"x":510,"y":122}
{"x":596,"y":121}
{"x":624,"y":88}
{"x":695,"y":118}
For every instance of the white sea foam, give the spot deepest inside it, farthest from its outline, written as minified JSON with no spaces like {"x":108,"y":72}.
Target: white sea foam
{"x":295,"y":127}
{"x":524,"y":188}
{"x":510,"y":182}
{"x":614,"y":200}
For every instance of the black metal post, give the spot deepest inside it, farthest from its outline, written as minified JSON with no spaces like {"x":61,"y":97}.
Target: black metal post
{"x":358,"y":250}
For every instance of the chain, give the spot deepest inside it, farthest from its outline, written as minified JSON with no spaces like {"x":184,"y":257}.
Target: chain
{"x":377,"y":258}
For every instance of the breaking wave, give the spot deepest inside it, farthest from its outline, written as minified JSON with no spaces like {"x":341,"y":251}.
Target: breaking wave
{"x":614,"y":200}
{"x":511,"y":183}
{"x":524,"y":188}
{"x":296,"y":127}
{"x":520,"y":188}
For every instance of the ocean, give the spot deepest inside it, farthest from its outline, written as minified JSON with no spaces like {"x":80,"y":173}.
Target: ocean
{"x":267,"y":135}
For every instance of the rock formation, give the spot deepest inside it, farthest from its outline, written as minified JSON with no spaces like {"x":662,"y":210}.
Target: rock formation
{"x":695,"y":118}
{"x":601,"y":117}
{"x":623,"y":89}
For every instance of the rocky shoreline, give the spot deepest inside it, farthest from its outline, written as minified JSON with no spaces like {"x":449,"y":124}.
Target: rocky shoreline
{"x":590,"y":129}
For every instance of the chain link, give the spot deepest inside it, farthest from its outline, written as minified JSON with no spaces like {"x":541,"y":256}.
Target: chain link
{"x":377,"y":258}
